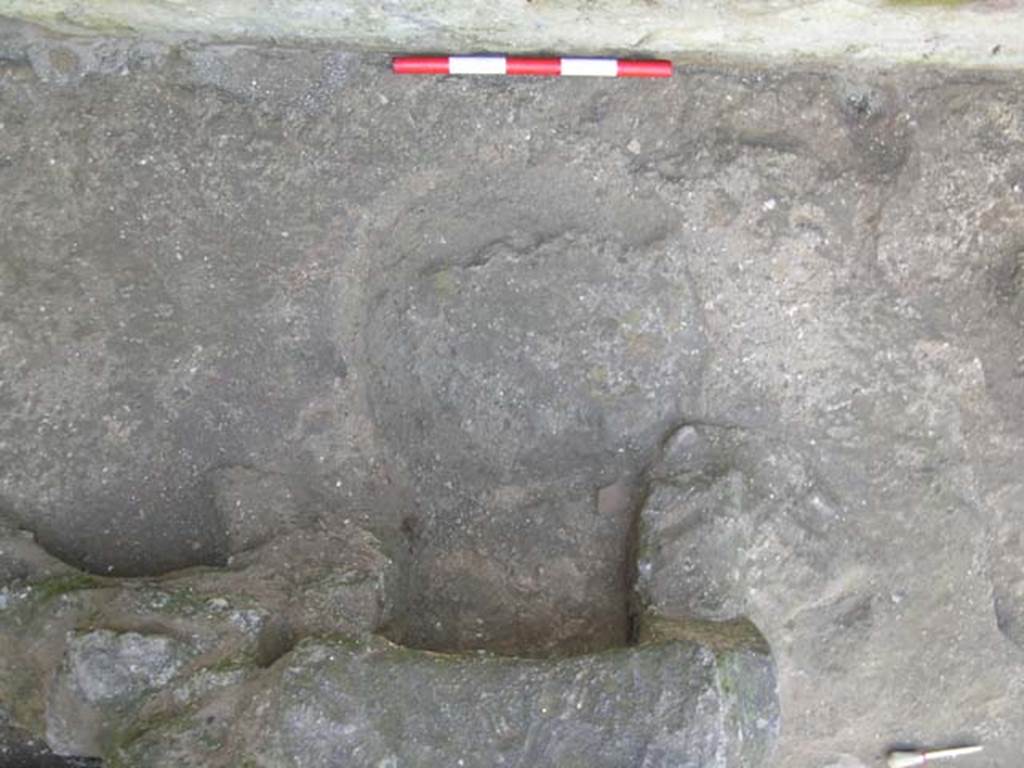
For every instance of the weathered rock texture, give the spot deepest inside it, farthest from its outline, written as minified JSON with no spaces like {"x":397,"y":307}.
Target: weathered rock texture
{"x":537,"y":368}
{"x":89,"y":661}
{"x":670,"y":704}
{"x":145,"y":673}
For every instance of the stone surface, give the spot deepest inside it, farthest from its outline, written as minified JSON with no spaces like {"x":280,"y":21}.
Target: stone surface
{"x":210,"y":254}
{"x":104,"y":678}
{"x":256,"y":506}
{"x":971,"y":34}
{"x":18,"y":750}
{"x":87,"y":660}
{"x":1008,"y":569}
{"x":736,"y":532}
{"x":663,"y":705}
{"x":540,"y":347}
{"x":201,"y":669}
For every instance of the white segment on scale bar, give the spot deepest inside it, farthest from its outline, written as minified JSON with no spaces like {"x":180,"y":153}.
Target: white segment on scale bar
{"x":590,"y":68}
{"x":476,"y":65}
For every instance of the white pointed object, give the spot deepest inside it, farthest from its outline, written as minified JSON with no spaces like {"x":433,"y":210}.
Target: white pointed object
{"x":914,"y":759}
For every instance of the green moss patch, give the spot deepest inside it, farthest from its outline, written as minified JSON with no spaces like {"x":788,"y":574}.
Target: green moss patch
{"x":62,"y":585}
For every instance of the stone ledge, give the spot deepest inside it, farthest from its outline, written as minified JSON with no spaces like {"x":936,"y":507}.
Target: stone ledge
{"x":985,"y":33}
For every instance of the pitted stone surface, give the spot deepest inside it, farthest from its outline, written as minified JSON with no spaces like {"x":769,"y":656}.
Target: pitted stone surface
{"x":798,"y":347}
{"x":652,"y":706}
